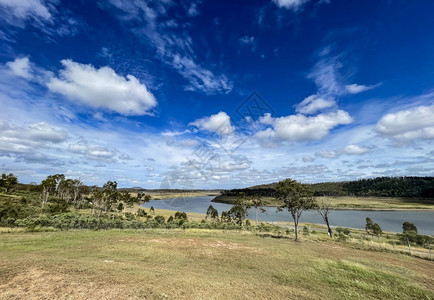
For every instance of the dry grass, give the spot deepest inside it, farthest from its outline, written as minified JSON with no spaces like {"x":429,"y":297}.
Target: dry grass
{"x":201,"y":264}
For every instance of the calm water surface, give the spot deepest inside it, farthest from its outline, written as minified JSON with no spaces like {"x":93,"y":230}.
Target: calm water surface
{"x":388,"y":220}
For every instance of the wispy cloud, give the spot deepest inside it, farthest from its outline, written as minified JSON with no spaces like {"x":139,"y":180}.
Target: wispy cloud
{"x":359,"y":88}
{"x":16,"y":12}
{"x":173,"y":48}
{"x":290,"y":4}
{"x":16,"y":138}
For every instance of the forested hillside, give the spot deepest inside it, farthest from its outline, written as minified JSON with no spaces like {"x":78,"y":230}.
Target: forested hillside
{"x":421,"y":187}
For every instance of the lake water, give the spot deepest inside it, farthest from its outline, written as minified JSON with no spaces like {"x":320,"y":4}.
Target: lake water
{"x":388,"y":220}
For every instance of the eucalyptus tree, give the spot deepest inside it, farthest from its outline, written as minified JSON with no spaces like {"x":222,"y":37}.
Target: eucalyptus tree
{"x":8,"y":181}
{"x":296,"y":197}
{"x":212,"y":213}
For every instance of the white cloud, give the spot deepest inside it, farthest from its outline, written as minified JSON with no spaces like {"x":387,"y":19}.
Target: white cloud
{"x":23,"y":9}
{"x":307,"y":158}
{"x":290,"y":4}
{"x":20,"y":67}
{"x":200,"y":78}
{"x":192,"y":10}
{"x":300,"y":127}
{"x":219,"y":123}
{"x":247,"y":40}
{"x":325,"y":74}
{"x":18,"y":139}
{"x":93,"y":152}
{"x":327,"y":154}
{"x":175,"y":133}
{"x":354,"y":149}
{"x":102,"y":88}
{"x":358,"y":88}
{"x":411,"y":124}
{"x":313,"y":103}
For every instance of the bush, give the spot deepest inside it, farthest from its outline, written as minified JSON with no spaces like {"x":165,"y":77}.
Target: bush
{"x":160,"y":219}
{"x":141,"y":213}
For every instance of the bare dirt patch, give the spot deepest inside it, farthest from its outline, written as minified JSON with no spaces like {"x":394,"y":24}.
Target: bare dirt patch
{"x":38,"y":284}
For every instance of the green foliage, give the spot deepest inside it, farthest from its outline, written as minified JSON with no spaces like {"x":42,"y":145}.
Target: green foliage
{"x":408,"y":227}
{"x":56,"y":206}
{"x":297,"y":198}
{"x":8,"y":182}
{"x":373,"y":228}
{"x":422,"y":187}
{"x":160,"y":219}
{"x":212,"y":213}
{"x":342,"y":230}
{"x":17,"y":207}
{"x":141,"y":212}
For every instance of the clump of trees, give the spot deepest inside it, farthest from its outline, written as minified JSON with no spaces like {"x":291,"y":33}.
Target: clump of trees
{"x":8,"y":182}
{"x":373,"y":228}
{"x":409,"y":235}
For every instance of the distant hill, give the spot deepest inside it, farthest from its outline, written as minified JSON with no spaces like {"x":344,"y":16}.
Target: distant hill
{"x":420,"y":187}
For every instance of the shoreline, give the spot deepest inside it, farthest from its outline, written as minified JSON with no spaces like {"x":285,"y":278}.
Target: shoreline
{"x":350,"y":207}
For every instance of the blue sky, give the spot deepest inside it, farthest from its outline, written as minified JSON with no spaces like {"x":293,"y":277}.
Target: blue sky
{"x":216,"y":94}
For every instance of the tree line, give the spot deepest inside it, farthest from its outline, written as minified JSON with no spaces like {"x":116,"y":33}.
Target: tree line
{"x":418,"y":187}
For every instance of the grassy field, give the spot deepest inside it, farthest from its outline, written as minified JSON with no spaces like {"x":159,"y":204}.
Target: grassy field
{"x":201,"y":264}
{"x":346,"y":202}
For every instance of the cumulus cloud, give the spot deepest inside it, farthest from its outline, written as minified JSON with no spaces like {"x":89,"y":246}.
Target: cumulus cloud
{"x":219,"y":123}
{"x":23,"y":9}
{"x":313,"y":104}
{"x":19,"y":139}
{"x":411,"y":124}
{"x":302,"y":128}
{"x":358,"y":88}
{"x":354,"y":149}
{"x":102,"y":88}
{"x":20,"y":67}
{"x":290,"y":4}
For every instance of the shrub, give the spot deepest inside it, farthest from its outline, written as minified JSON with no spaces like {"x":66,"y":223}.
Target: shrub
{"x":160,"y":219}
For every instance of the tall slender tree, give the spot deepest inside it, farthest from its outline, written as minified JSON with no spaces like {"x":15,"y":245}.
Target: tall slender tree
{"x":297,"y":198}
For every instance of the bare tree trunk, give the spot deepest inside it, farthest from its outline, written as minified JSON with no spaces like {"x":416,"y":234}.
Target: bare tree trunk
{"x":329,"y":230}
{"x":256,"y":217}
{"x":295,"y":227}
